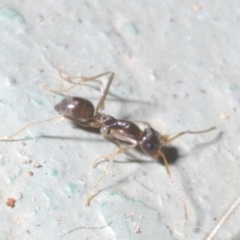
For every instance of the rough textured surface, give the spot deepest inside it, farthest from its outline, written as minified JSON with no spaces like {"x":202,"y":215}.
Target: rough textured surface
{"x":177,"y":67}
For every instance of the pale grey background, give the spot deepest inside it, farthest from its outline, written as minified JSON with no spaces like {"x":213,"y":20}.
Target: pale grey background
{"x":177,"y":67}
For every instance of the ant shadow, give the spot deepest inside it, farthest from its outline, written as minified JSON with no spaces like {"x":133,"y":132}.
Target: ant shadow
{"x":170,"y":152}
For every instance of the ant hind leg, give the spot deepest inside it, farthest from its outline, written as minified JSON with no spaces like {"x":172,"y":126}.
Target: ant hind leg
{"x":83,"y":79}
{"x":104,"y":91}
{"x":10,"y":137}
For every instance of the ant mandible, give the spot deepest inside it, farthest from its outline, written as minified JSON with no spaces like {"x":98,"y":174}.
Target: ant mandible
{"x":81,"y":111}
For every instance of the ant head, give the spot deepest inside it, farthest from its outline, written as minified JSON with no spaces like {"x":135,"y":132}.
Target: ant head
{"x":75,"y":107}
{"x":150,"y":143}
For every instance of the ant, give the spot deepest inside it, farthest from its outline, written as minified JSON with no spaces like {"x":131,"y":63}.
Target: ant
{"x":82,"y":112}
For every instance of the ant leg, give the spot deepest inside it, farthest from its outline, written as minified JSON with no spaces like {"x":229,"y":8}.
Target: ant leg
{"x":164,"y":137}
{"x":26,"y":127}
{"x":57,"y":91}
{"x":105,"y":135}
{"x":118,"y":150}
{"x":65,"y":78}
{"x":105,"y":156}
{"x":68,"y":79}
{"x":99,"y":159}
{"x":100,"y":105}
{"x":104,"y":92}
{"x":92,"y":194}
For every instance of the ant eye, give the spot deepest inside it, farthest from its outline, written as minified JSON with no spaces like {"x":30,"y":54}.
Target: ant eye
{"x":150,"y":146}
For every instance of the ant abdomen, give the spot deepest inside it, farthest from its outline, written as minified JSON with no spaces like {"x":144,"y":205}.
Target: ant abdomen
{"x":75,"y":107}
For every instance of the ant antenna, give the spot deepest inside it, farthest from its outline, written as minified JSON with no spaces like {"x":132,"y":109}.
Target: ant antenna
{"x":175,"y":186}
{"x":188,"y":132}
{"x":182,"y":200}
{"x":165,"y":163}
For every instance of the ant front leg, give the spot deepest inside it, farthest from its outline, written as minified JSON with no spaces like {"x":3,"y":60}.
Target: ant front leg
{"x":118,"y":150}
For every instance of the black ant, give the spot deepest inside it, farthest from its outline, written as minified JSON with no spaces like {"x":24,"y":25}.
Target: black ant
{"x":81,"y":111}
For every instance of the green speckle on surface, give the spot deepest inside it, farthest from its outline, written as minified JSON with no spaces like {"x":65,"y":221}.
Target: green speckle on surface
{"x":131,"y":27}
{"x":40,"y":134}
{"x":11,"y":178}
{"x":54,"y":173}
{"x":47,"y":195}
{"x":233,"y":87}
{"x":8,"y":13}
{"x":125,"y":90}
{"x":204,"y":198}
{"x":113,"y":194}
{"x":103,"y":205}
{"x":39,"y":102}
{"x":71,"y":187}
{"x":86,"y":4}
{"x":36,"y":138}
{"x":27,"y":137}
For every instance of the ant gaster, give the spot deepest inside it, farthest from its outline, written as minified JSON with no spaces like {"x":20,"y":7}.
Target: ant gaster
{"x":81,"y":111}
